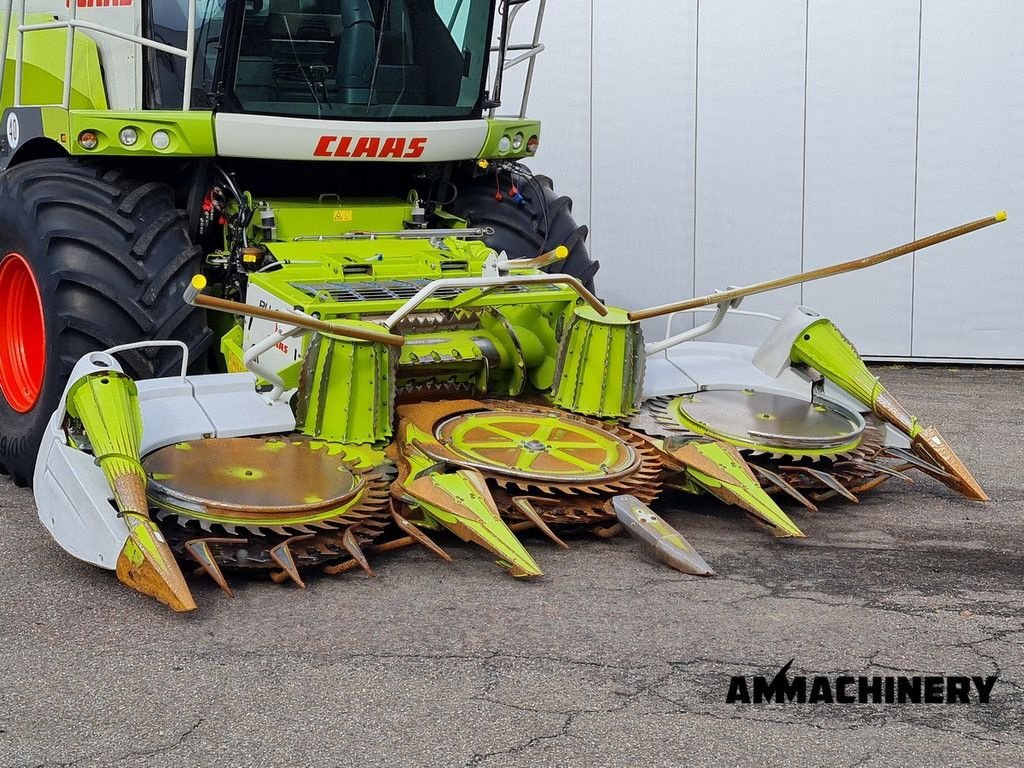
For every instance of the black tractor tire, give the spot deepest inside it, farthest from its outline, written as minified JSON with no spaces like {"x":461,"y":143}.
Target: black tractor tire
{"x":111,"y":257}
{"x":541,"y":222}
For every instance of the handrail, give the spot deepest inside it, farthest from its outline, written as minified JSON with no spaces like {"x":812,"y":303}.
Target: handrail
{"x":73,"y":23}
{"x":531,"y":51}
{"x":492,"y":283}
{"x":194,"y":295}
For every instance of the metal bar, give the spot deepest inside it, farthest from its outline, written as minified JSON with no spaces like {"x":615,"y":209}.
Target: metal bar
{"x":487,"y":282}
{"x":506,"y":264}
{"x":661,"y":346}
{"x":19,"y":55}
{"x":473,"y":296}
{"x":503,"y":10}
{"x":249,"y":359}
{"x":92,"y":27}
{"x":817,"y":274}
{"x":194,"y":297}
{"x":4,"y":45}
{"x":405,"y":234}
{"x":190,"y":50}
{"x":533,"y":53}
{"x":533,"y":59}
{"x":69,"y":54}
{"x":517,"y":47}
{"x":161,"y":343}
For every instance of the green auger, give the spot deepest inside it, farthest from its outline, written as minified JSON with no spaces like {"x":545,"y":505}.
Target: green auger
{"x":347,"y":389}
{"x":601,"y":365}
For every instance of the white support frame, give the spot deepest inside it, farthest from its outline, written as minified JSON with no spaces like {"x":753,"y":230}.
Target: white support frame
{"x":722,"y":310}
{"x":73,"y":23}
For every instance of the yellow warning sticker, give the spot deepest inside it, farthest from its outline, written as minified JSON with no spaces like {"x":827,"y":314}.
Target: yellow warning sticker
{"x":343,"y":214}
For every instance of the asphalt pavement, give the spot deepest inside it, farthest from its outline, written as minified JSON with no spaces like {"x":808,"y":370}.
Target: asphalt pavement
{"x":610,"y":660}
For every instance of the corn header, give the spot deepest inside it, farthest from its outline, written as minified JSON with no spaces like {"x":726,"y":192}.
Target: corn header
{"x":280,"y":295}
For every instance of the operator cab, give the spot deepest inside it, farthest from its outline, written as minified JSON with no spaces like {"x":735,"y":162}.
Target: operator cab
{"x":334,"y":59}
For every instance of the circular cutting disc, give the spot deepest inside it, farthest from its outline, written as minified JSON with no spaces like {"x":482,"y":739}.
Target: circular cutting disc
{"x":769,"y":421}
{"x":536,"y":446}
{"x":251,"y":480}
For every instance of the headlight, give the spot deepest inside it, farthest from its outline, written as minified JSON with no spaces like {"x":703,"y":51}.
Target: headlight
{"x":128,"y":136}
{"x":161,"y":139}
{"x":88,"y":140}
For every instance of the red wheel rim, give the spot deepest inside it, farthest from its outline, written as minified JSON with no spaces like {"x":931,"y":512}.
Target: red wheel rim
{"x":22,"y":334}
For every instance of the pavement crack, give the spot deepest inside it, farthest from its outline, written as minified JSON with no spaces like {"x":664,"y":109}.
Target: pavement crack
{"x":516,"y":749}
{"x":122,"y":759}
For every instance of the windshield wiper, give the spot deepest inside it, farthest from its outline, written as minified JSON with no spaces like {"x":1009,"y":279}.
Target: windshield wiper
{"x":385,"y":16}
{"x":302,"y":70}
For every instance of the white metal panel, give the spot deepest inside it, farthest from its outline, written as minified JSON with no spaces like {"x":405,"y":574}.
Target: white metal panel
{"x":643,"y":161}
{"x":294,"y":138}
{"x":860,"y":164}
{"x":561,"y":99}
{"x":750,"y":120}
{"x":967,"y":293}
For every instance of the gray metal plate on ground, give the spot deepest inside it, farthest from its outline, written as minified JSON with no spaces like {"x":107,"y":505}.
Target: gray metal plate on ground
{"x":773,"y":419}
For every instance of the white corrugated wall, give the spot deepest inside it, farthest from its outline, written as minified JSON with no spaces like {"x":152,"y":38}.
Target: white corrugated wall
{"x":719,"y":142}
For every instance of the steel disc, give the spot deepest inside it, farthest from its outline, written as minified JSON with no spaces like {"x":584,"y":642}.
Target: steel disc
{"x":251,"y":480}
{"x":768,"y":420}
{"x":536,"y":446}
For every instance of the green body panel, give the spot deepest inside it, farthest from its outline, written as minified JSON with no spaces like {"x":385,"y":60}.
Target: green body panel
{"x":497,"y":342}
{"x":318,"y":269}
{"x":43,"y":68}
{"x":56,"y":125}
{"x":496,"y":128}
{"x":824,"y":348}
{"x":191,"y":133}
{"x":231,"y":349}
{"x":461,"y":502}
{"x":601,"y":364}
{"x":740,"y":488}
{"x":346,"y":390}
{"x":471,"y":516}
{"x":332,"y":216}
{"x":107,"y":404}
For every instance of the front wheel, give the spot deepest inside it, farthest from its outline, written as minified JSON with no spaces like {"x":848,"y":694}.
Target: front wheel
{"x":89,"y":259}
{"x":524,"y":229}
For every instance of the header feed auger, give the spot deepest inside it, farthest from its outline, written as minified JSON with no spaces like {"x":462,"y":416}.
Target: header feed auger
{"x":317,"y":199}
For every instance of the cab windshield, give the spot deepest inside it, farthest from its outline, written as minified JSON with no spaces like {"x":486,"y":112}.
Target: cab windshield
{"x":369,"y":59}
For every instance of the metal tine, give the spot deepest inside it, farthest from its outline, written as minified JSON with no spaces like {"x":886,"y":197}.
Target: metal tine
{"x":781,"y":483}
{"x":283,"y":556}
{"x":826,"y":479}
{"x":916,"y":461}
{"x":199,"y":550}
{"x":524,"y":506}
{"x":873,"y":466}
{"x":871,"y":484}
{"x":413,"y":532}
{"x":348,"y":540}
